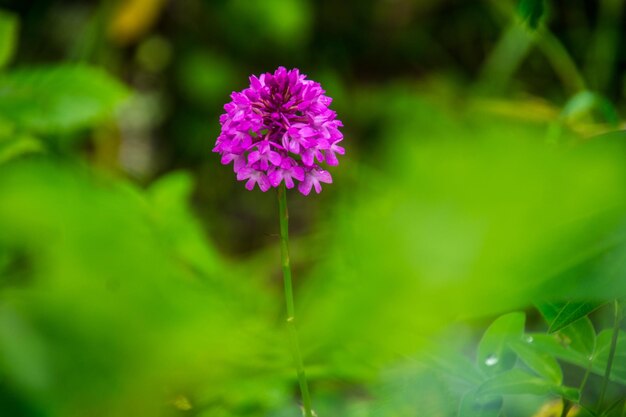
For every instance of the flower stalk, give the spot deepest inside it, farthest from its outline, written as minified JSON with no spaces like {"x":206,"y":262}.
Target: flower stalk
{"x":291,"y":315}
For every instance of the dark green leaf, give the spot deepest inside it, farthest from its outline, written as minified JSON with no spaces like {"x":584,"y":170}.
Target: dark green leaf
{"x":580,"y":336}
{"x":559,"y":349}
{"x":531,"y":12}
{"x":572,"y":311}
{"x":59,"y":99}
{"x":603,"y":347}
{"x":494,"y":354}
{"x":8,"y":36}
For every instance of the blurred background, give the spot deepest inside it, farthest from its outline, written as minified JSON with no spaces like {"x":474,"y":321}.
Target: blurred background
{"x":484,"y":173}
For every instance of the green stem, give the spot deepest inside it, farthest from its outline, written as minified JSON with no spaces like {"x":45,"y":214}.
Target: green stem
{"x":567,"y":405}
{"x":583,"y":383}
{"x":613,"y":348}
{"x":291,"y":314}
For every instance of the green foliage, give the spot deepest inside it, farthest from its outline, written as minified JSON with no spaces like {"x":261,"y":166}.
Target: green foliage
{"x":58,"y":99}
{"x":450,"y":209}
{"x":140,"y":310}
{"x":9,"y":26}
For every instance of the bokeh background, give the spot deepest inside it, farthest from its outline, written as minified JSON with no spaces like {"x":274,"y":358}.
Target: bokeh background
{"x":484,"y":173}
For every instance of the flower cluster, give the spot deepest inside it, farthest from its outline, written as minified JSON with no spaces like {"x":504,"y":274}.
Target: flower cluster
{"x":278,"y":130}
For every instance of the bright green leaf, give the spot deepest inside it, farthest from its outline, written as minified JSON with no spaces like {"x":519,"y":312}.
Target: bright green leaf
{"x":14,"y":147}
{"x":493,"y":354}
{"x":59,"y":99}
{"x":9,"y":25}
{"x":544,"y":364}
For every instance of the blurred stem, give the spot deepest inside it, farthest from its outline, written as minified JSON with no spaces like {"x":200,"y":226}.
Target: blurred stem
{"x":561,"y":61}
{"x":291,"y":314}
{"x":613,"y":348}
{"x":600,"y":64}
{"x":549,"y":45}
{"x":91,"y":41}
{"x":567,"y":405}
{"x":505,"y":58}
{"x":583,"y":383}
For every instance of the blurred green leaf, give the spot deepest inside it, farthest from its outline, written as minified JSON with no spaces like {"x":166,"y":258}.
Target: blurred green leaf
{"x":516,"y":381}
{"x":59,"y":99}
{"x":23,"y":356}
{"x":471,"y":407}
{"x":559,"y":349}
{"x":584,"y":102}
{"x":540,"y":362}
{"x":115,"y":289}
{"x":19,"y":145}
{"x":455,"y":365}
{"x":9,"y":25}
{"x":531,"y":12}
{"x":553,"y":346}
{"x":494,"y":354}
{"x":580,"y":336}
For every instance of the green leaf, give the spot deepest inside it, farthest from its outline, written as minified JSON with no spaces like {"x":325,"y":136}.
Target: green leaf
{"x":22,"y":352}
{"x":531,"y":12}
{"x":580,"y":336}
{"x":14,"y":147}
{"x":544,"y":364}
{"x":494,"y":354}
{"x":584,"y":102}
{"x":456,"y":365}
{"x":552,"y":345}
{"x":9,"y":25}
{"x":603,"y":347}
{"x":571,"y":311}
{"x":549,"y":310}
{"x":470,"y":407}
{"x":517,"y":381}
{"x":59,"y":99}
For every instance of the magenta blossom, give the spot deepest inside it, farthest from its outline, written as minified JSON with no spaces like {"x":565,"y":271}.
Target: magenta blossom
{"x":278,"y":130}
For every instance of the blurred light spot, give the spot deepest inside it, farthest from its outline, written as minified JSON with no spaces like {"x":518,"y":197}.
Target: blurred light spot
{"x":491,"y":360}
{"x":182,"y":403}
{"x":154,"y":54}
{"x":133,"y":19}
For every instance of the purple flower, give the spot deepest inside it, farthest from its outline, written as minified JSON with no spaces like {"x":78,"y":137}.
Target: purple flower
{"x":279,"y":130}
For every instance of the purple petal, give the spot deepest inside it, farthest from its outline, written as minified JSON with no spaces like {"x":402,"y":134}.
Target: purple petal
{"x":305,"y":186}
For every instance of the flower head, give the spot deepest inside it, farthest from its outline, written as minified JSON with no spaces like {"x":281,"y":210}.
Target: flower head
{"x":279,"y":130}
